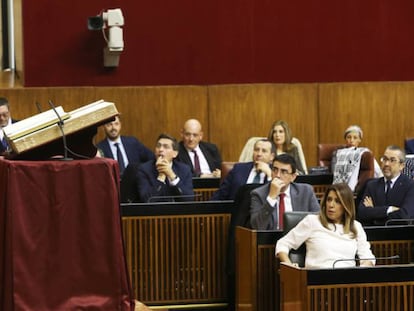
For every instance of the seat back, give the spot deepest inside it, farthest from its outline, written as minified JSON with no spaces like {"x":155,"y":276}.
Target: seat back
{"x":290,"y":220}
{"x":226,"y":167}
{"x":302,"y":159}
{"x":325,"y":152}
{"x":409,"y":145}
{"x":247,"y":153}
{"x":366,"y":170}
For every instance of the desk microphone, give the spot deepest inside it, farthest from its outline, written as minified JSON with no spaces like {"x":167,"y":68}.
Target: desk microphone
{"x":360,"y":259}
{"x":60,"y":125}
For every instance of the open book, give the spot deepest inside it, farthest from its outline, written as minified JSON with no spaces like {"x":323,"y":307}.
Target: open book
{"x":43,"y":127}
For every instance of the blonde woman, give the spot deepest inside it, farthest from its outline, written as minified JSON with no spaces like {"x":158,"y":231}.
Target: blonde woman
{"x":281,"y":136}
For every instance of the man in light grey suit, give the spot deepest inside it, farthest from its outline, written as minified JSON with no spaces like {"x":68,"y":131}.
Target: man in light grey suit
{"x":266,"y":202}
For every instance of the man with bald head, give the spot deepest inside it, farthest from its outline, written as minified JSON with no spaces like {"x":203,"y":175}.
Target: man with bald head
{"x":204,"y":158}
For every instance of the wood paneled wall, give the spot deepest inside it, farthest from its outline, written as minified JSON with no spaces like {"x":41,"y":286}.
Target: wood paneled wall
{"x":230,"y":114}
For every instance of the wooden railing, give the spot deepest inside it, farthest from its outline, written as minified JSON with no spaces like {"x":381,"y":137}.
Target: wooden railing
{"x":205,"y":187}
{"x":176,"y":252}
{"x":361,"y":297}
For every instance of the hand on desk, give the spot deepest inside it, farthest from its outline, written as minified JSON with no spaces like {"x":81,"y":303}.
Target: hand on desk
{"x":215,"y":174}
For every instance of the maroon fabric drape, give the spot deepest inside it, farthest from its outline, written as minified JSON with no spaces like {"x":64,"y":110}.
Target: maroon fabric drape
{"x":60,"y":237}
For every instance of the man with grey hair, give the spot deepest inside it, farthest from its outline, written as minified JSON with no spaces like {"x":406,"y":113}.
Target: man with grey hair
{"x":391,"y":196}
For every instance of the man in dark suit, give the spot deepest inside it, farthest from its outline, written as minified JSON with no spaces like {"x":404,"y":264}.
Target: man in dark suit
{"x":409,"y":146}
{"x":204,"y":158}
{"x":5,"y":120}
{"x":128,"y":148}
{"x":164,"y":179}
{"x":265,"y":200}
{"x":257,"y":171}
{"x":388,"y":197}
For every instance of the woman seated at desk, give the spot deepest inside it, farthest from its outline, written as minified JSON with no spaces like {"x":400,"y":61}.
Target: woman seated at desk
{"x":346,"y":162}
{"x":281,"y":136}
{"x":332,"y":235}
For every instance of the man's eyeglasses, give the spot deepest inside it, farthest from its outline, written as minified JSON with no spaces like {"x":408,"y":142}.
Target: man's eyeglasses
{"x":282,"y":171}
{"x":385,"y":159}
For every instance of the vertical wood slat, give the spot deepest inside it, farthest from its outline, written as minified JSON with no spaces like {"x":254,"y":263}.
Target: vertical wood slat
{"x":204,"y":194}
{"x":177,"y":259}
{"x":361,"y":297}
{"x":403,"y":248}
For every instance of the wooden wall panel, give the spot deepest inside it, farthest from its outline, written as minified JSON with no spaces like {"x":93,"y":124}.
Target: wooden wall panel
{"x":149,"y":111}
{"x":230,"y":114}
{"x":238,"y":112}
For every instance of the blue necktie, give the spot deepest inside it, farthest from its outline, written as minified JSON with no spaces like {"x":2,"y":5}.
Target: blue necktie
{"x":4,"y":143}
{"x":256,"y":179}
{"x":119,"y":158}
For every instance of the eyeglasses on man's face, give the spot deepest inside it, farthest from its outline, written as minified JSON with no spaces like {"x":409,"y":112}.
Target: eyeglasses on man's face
{"x":282,"y":171}
{"x":391,"y":160}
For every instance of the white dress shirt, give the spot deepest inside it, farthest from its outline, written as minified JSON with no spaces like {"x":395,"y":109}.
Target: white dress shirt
{"x":121,"y":148}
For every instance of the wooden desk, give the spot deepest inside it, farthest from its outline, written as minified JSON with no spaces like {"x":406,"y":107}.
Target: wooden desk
{"x":387,"y":288}
{"x":256,"y":275}
{"x":176,"y":252}
{"x":205,"y":187}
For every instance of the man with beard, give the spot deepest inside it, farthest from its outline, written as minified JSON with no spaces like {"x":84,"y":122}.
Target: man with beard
{"x":391,"y":196}
{"x":125,"y":149}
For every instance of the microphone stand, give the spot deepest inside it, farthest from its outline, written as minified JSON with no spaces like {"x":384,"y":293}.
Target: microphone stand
{"x":361,"y":259}
{"x":60,"y":124}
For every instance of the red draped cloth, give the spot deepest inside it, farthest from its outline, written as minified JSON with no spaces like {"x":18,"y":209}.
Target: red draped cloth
{"x":60,"y":237}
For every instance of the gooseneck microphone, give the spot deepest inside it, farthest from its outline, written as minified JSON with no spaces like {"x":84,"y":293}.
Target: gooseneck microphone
{"x":60,"y":124}
{"x":360,"y":259}
{"x":39,"y":109}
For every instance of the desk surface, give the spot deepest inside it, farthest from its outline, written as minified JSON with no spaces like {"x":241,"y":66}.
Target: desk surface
{"x":377,"y":274}
{"x":176,"y":208}
{"x":206,"y":182}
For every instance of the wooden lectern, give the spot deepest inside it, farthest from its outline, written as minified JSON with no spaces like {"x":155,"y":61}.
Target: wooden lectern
{"x":55,"y":132}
